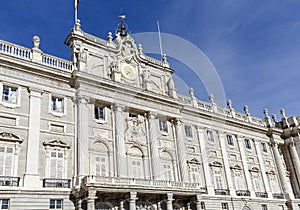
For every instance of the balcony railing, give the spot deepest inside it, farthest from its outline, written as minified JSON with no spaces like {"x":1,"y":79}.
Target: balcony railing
{"x":243,"y":193}
{"x":56,"y":183}
{"x":9,"y":181}
{"x":261,"y":194}
{"x":278,"y":195}
{"x":221,"y":192}
{"x":126,"y":183}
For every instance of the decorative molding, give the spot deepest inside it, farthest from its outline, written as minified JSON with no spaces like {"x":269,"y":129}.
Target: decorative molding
{"x":57,"y":143}
{"x":4,"y":136}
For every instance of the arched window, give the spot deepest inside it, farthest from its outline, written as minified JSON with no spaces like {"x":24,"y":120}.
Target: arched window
{"x":135,"y":163}
{"x":167,"y":167}
{"x":100,"y":159}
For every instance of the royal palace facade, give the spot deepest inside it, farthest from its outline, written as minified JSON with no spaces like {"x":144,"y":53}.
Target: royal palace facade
{"x":108,"y":131}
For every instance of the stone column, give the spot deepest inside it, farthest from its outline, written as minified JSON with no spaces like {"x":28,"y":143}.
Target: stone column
{"x":120,"y":142}
{"x":198,"y":202}
{"x":154,"y":144}
{"x":132,"y":201}
{"x":31,"y":177}
{"x":169,"y":201}
{"x":205,"y":159}
{"x":262,"y":168}
{"x":83,"y":136}
{"x":181,"y":151}
{"x":282,"y":173}
{"x":245,"y":165}
{"x":91,"y":200}
{"x":295,"y":158}
{"x":226,"y":163}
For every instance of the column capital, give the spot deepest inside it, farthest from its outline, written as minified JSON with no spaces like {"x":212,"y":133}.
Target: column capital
{"x":170,"y":196}
{"x":82,"y":100}
{"x":178,"y":121}
{"x":119,"y":107}
{"x":290,"y":141}
{"x":133,"y":196}
{"x":35,"y":92}
{"x":152,"y":114}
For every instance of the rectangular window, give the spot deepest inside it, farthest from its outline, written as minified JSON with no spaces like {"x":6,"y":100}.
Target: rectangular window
{"x":256,"y":183}
{"x":56,"y":164}
{"x":264,"y":147}
{"x":230,"y":140}
{"x":132,"y":115}
{"x":56,"y":204}
{"x":136,"y":169}
{"x":264,"y":207}
{"x":101,"y":164}
{"x":57,"y":104}
{"x":4,"y":203}
{"x":99,"y":113}
{"x":188,"y":131}
{"x":202,"y":205}
{"x":218,"y":180}
{"x":167,"y":170}
{"x":239,"y":183}
{"x":6,"y":160}
{"x":163,"y":126}
{"x":9,"y":94}
{"x":224,"y":205}
{"x":247,"y":143}
{"x":195,"y":174}
{"x":210,"y":136}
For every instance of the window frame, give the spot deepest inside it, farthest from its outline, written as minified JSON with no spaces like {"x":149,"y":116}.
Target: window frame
{"x":56,"y":205}
{"x":104,"y":113}
{"x":210,"y":136}
{"x":18,"y":95}
{"x":224,"y":206}
{"x":1,"y":203}
{"x":163,"y":126}
{"x":247,"y":143}
{"x":264,"y":147}
{"x":64,"y":105}
{"x":188,"y":130}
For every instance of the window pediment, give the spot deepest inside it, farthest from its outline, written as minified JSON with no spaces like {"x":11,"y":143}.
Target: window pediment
{"x":193,"y":161}
{"x":4,"y":136}
{"x":57,"y":143}
{"x":254,"y":169}
{"x":215,"y":164}
{"x":236,"y":167}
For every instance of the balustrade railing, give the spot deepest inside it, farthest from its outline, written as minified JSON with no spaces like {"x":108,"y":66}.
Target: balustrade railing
{"x":261,"y":194}
{"x":125,"y":182}
{"x":15,"y":50}
{"x":243,"y":193}
{"x":56,"y":183}
{"x":222,"y":192}
{"x":9,"y":181}
{"x":278,"y":195}
{"x":57,"y":62}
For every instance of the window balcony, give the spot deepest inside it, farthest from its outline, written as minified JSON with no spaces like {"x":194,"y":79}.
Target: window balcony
{"x":222,"y":192}
{"x":278,"y":195}
{"x":243,"y":193}
{"x":9,"y":181}
{"x":261,"y":194}
{"x":56,"y":183}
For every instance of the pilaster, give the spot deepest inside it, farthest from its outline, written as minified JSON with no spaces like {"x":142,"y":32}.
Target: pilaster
{"x":204,"y":156}
{"x":120,"y":142}
{"x":154,"y":144}
{"x":245,"y":165}
{"x":295,"y":157}
{"x":226,"y":164}
{"x":181,"y":151}
{"x":31,"y":177}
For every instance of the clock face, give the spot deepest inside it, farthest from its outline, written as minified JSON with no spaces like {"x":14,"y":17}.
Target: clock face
{"x":128,"y":71}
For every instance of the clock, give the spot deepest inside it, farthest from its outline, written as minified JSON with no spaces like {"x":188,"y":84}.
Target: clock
{"x":128,"y":71}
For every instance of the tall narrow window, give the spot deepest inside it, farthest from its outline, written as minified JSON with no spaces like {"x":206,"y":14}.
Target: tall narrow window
{"x":210,"y":136}
{"x":99,"y":112}
{"x":202,"y":205}
{"x":224,"y":205}
{"x":264,"y":147}
{"x":6,"y":160}
{"x":9,"y":94}
{"x":264,"y":207}
{"x":56,"y":204}
{"x":238,"y":180}
{"x":4,"y":204}
{"x":230,"y":140}
{"x":247,"y":144}
{"x":136,"y":169}
{"x":56,"y":164}
{"x":218,"y":179}
{"x":256,"y":183}
{"x":163,"y":126}
{"x":57,"y":104}
{"x":101,"y":166}
{"x":167,"y":171}
{"x":195,"y":176}
{"x":188,"y":131}
{"x":274,"y":184}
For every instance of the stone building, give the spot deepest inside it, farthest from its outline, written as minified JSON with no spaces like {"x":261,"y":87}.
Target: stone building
{"x":107,"y":130}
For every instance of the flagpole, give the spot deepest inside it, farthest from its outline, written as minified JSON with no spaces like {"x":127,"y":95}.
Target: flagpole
{"x":159,"y":37}
{"x":76,"y":10}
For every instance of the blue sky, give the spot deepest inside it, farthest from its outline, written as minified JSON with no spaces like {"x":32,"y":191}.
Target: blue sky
{"x":253,"y":44}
